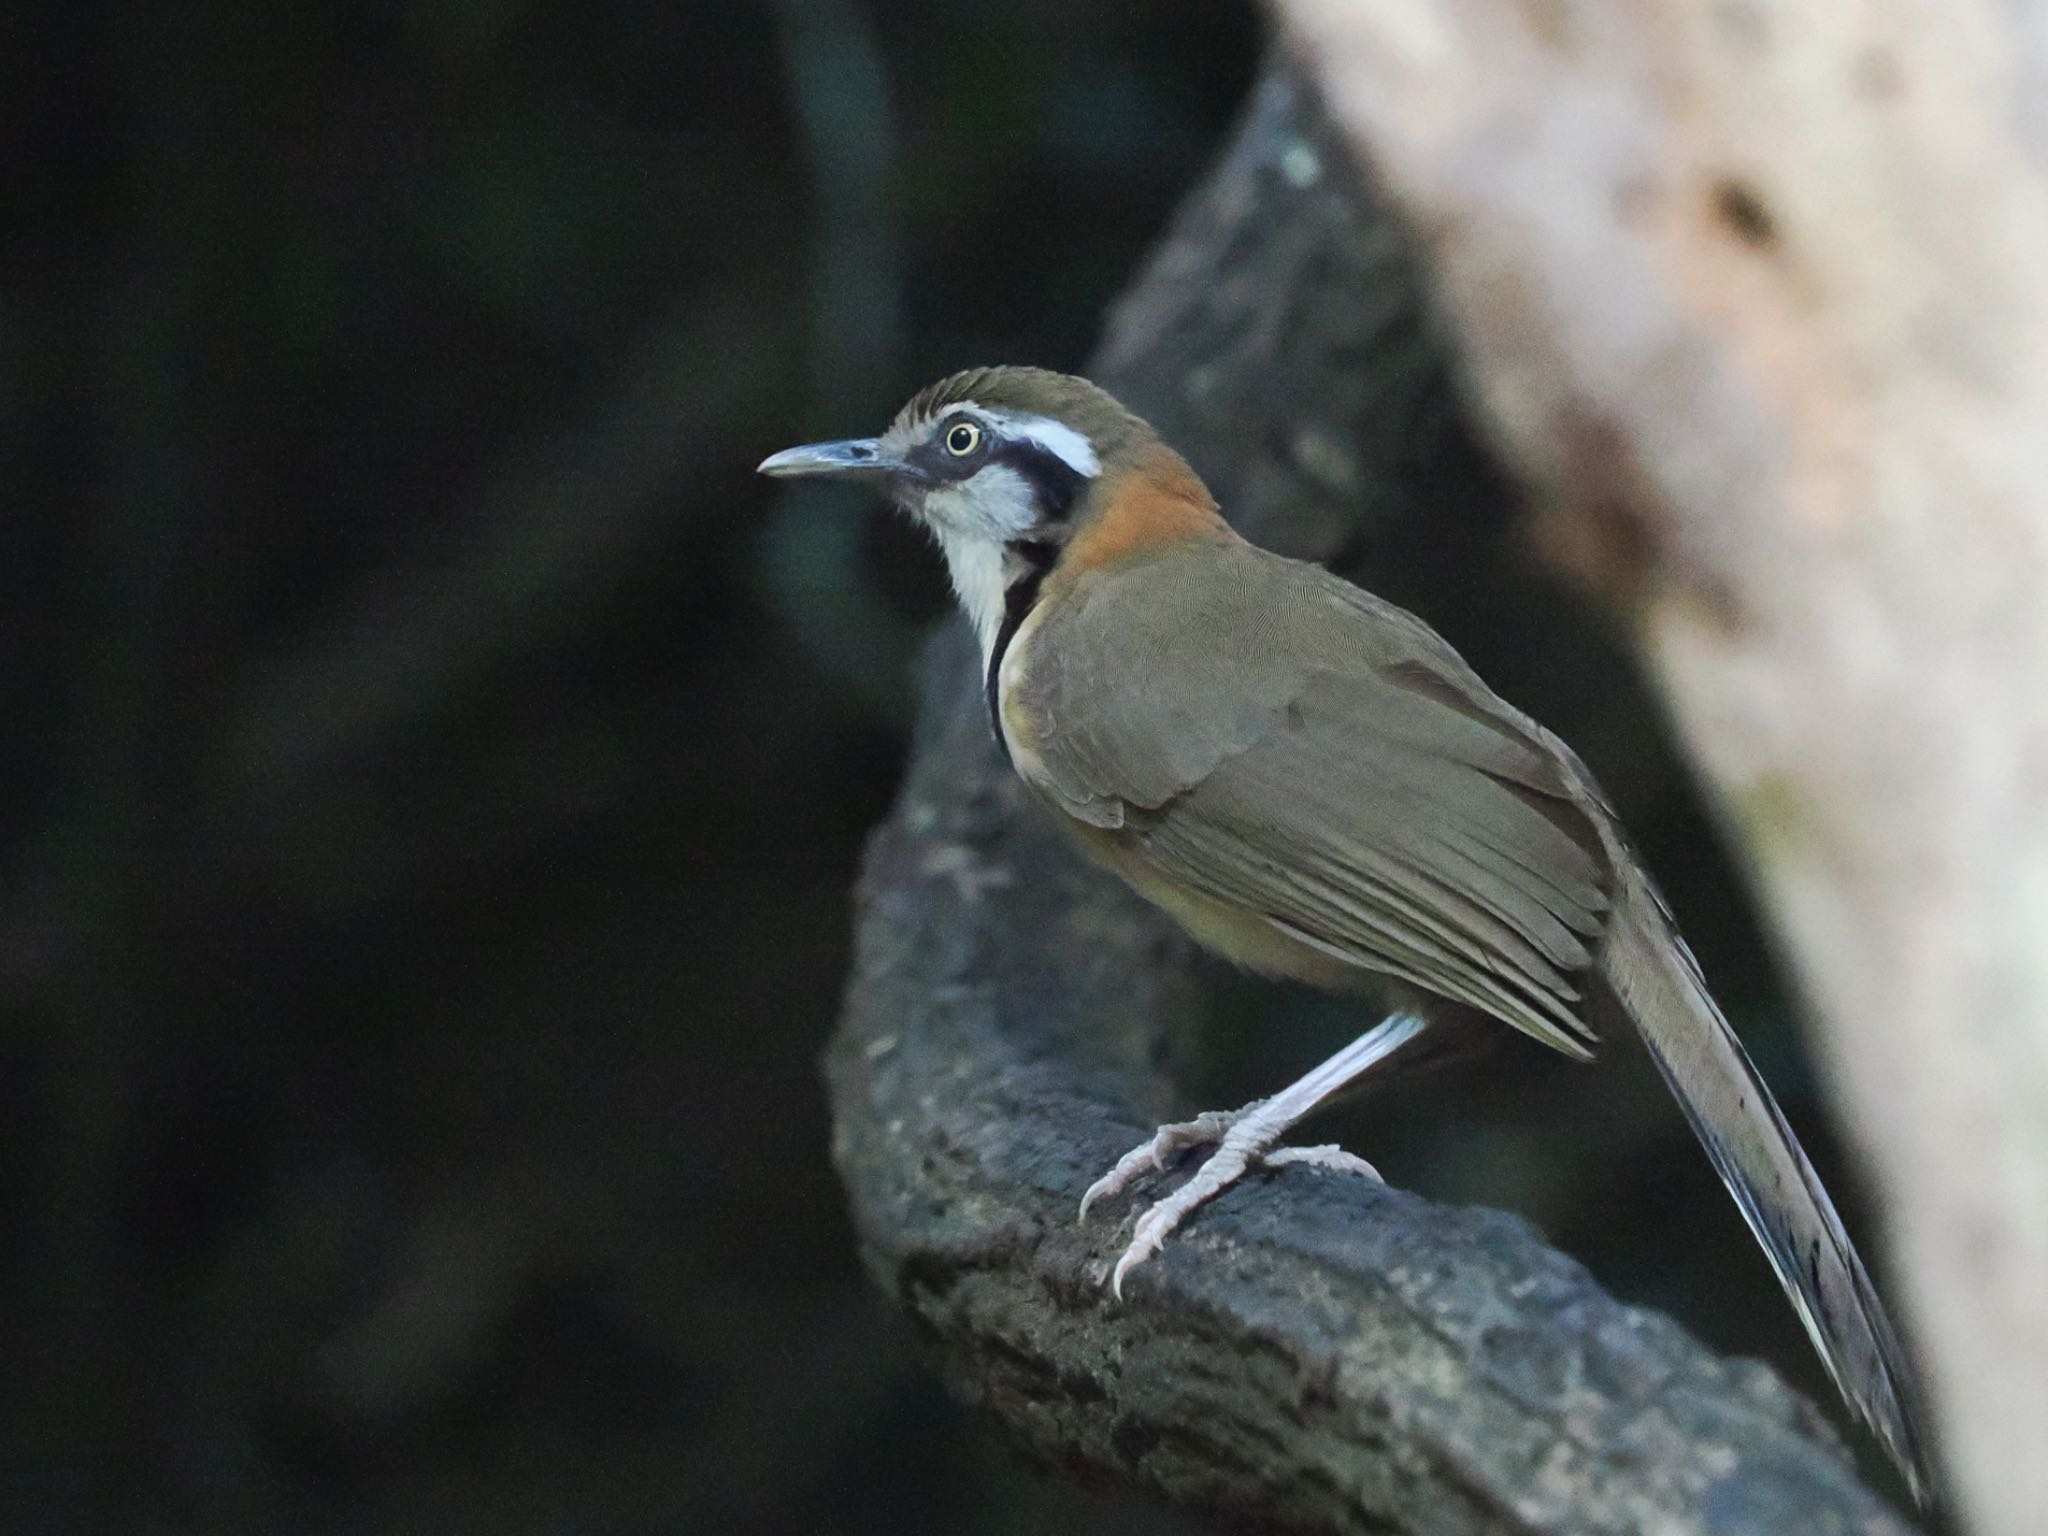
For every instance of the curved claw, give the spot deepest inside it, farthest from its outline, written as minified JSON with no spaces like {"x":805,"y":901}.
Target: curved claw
{"x":1127,"y":1168}
{"x":1124,"y":1266}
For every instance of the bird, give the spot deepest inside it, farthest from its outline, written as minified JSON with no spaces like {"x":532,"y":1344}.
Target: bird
{"x":1314,"y":784}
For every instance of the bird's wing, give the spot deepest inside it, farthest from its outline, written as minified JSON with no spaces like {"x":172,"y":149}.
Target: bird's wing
{"x":1277,"y":740}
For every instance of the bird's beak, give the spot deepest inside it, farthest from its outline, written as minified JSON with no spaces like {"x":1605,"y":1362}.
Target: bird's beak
{"x":860,"y":458}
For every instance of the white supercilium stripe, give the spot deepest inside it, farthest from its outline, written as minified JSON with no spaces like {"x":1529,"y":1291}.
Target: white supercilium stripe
{"x":1056,"y":437}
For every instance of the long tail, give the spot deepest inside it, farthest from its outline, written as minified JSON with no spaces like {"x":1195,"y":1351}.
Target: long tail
{"x":1656,"y":981}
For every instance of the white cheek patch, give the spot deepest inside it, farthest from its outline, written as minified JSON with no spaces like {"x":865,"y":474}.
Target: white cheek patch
{"x":993,"y":503}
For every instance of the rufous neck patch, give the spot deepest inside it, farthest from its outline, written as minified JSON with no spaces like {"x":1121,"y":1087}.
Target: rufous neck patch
{"x":1155,"y":501}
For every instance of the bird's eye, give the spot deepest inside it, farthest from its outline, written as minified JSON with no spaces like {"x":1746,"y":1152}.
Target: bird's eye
{"x":962,"y":438}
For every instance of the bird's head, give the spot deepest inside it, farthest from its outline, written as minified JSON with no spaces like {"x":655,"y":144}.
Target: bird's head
{"x":998,"y":454}
{"x":1006,"y":466}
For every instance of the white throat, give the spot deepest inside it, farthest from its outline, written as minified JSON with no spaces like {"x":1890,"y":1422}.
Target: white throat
{"x":979,"y":570}
{"x":973,"y":521}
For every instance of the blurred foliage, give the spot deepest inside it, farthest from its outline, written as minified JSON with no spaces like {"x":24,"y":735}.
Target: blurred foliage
{"x":435,"y":766}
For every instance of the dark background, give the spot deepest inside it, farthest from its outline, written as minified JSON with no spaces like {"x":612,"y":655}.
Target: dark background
{"x":433,"y":766}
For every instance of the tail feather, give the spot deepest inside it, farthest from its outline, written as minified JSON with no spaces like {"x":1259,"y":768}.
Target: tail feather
{"x":1657,"y":983}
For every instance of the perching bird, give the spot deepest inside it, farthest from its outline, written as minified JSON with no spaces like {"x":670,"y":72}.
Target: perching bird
{"x":1316,"y":785}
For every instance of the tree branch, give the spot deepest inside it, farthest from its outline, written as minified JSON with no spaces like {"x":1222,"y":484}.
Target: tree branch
{"x":1313,"y":1353}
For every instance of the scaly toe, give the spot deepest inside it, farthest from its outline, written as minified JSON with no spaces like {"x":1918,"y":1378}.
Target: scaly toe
{"x":1334,"y":1158}
{"x":1152,"y":1155}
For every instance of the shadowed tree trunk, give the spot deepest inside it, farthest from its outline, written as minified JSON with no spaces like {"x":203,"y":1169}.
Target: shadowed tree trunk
{"x":1313,"y":1353}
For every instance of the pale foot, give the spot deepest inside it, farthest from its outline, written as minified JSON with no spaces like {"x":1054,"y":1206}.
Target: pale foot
{"x":1244,"y":1139}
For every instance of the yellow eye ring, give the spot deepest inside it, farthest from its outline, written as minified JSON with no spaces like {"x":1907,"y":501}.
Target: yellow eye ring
{"x":962,"y":438}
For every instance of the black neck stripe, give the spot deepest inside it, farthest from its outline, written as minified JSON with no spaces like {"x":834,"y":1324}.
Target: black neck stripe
{"x":1018,"y":598}
{"x":1055,"y":484}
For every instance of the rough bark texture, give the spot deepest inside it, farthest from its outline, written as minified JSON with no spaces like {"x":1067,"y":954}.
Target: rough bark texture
{"x":1755,"y":295}
{"x":1314,"y":1353}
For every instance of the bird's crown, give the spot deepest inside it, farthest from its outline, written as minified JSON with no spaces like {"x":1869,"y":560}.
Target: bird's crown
{"x":1088,"y":409}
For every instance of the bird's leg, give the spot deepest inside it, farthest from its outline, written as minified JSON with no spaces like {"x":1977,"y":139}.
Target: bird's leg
{"x":1244,"y":1138}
